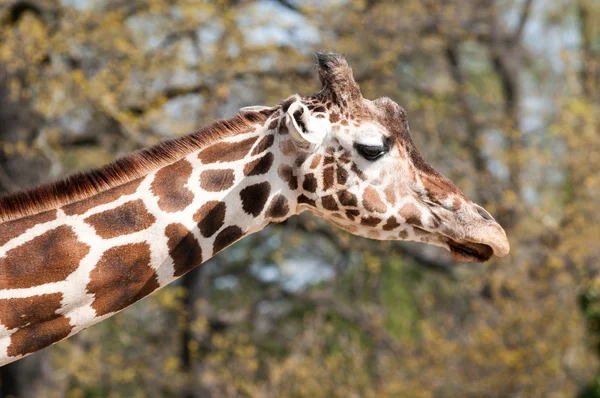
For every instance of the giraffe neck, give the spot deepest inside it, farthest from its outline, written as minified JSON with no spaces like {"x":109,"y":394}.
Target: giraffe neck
{"x":68,"y":268}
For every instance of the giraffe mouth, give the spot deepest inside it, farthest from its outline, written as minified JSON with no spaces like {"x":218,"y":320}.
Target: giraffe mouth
{"x":470,"y":252}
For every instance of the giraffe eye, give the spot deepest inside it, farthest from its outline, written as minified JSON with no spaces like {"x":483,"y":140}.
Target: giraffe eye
{"x":371,"y":152}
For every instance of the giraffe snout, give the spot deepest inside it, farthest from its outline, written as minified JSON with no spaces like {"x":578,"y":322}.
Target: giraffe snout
{"x":484,"y":229}
{"x":483,"y":213}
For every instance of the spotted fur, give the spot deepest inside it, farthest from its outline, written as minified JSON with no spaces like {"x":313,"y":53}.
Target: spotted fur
{"x":77,"y":251}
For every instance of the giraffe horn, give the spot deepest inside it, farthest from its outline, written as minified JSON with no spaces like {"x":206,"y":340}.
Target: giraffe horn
{"x":337,"y":79}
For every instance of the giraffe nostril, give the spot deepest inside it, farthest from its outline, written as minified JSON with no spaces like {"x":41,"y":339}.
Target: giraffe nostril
{"x":483,"y":213}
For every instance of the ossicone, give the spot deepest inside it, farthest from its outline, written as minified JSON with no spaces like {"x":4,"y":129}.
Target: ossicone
{"x":337,"y":79}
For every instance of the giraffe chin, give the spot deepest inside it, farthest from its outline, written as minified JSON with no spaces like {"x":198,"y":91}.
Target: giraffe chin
{"x":470,"y":252}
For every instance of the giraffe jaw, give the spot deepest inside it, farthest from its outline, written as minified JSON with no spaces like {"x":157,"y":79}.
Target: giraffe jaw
{"x":460,"y":249}
{"x":469,"y":251}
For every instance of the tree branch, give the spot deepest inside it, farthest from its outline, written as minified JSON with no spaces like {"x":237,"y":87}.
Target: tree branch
{"x":585,"y":31}
{"x":288,"y":4}
{"x":473,"y":128}
{"x":522,"y":21}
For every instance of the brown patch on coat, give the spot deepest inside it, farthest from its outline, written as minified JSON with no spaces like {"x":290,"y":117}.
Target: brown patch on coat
{"x":315,"y":161}
{"x":50,"y":257}
{"x":265,"y":143}
{"x":109,"y":196}
{"x":347,"y":198}
{"x":12,"y":229}
{"x":310,"y":183}
{"x":438,"y":188}
{"x":390,"y":194}
{"x":227,"y":237}
{"x":329,"y":203}
{"x":254,"y":197}
{"x":37,"y":322}
{"x":36,"y":337}
{"x":259,"y":166}
{"x":169,"y":185}
{"x":345,"y":158}
{"x":273,"y":124}
{"x":358,"y":172}
{"x":303,"y":199}
{"x":372,"y":201}
{"x":122,"y":276}
{"x":183,"y":249}
{"x":352,"y":214}
{"x":328,"y":160}
{"x":342,"y":175}
{"x":370,"y":221}
{"x":328,"y":178}
{"x":278,"y":208}
{"x":217,"y":180}
{"x":434,"y":190}
{"x":124,"y":220}
{"x":411,"y":214}
{"x":226,"y":151}
{"x":286,"y":173}
{"x":456,"y":203}
{"x":391,"y":224}
{"x":210,"y":217}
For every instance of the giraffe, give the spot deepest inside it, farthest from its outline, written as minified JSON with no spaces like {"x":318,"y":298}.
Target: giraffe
{"x":77,"y":251}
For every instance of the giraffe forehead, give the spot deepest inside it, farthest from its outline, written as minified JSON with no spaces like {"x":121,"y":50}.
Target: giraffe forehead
{"x":367,"y":133}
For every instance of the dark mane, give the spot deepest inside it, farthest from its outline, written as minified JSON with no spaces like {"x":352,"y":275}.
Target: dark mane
{"x":83,"y":185}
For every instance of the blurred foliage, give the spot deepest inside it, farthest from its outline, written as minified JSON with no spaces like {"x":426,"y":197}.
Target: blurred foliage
{"x":503,"y":97}
{"x":590,"y":305}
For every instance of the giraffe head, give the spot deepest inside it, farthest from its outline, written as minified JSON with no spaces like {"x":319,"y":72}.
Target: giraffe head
{"x":352,"y":161}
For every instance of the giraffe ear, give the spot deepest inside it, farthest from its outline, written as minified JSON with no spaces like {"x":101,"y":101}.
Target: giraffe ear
{"x":337,"y":79}
{"x":251,"y":109}
{"x":307,"y":131}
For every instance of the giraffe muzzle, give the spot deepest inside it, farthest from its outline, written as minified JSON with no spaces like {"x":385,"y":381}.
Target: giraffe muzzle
{"x":469,"y":251}
{"x":474,"y":235}
{"x":483,"y":238}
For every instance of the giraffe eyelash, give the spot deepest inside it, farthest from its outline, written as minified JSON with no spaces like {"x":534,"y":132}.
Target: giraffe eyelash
{"x":371,"y":152}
